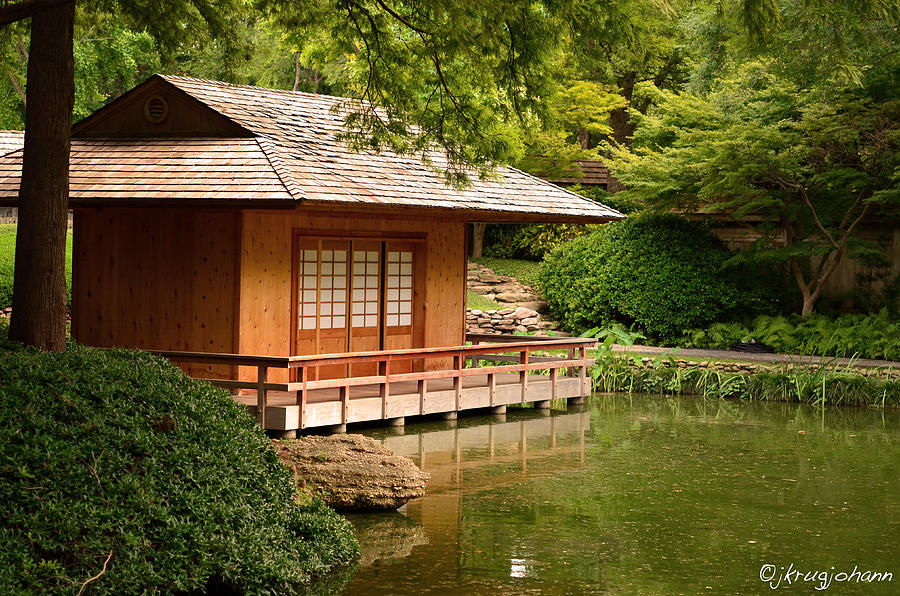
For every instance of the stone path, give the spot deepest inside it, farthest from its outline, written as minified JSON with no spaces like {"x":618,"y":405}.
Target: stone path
{"x":519,"y":305}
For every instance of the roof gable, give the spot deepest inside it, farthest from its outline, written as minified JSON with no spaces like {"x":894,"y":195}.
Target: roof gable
{"x":156,"y":108}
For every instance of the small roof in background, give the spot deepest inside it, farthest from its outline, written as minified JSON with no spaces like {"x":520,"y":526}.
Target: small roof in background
{"x":292,"y":156}
{"x":10,"y":140}
{"x":592,"y":173}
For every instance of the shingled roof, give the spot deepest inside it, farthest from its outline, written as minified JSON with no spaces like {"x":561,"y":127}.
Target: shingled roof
{"x":10,"y":140}
{"x":291,"y":155}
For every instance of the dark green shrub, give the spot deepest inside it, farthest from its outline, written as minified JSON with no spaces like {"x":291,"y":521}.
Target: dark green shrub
{"x":119,"y":452}
{"x":660,"y":272}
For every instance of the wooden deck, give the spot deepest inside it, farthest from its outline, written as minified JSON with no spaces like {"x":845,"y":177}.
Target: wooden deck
{"x":519,"y":369}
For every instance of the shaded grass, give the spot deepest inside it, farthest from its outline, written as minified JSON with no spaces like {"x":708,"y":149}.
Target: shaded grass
{"x":8,"y":261}
{"x":479,"y":302}
{"x":524,"y":271}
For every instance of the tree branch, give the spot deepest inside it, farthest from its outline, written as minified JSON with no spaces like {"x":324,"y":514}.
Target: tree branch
{"x":15,"y":83}
{"x":102,"y":571}
{"x":816,"y":219}
{"x":27,"y":9}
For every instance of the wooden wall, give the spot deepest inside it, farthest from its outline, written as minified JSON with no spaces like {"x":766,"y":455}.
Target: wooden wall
{"x":266,"y":252}
{"x":156,"y":278}
{"x":845,"y":277}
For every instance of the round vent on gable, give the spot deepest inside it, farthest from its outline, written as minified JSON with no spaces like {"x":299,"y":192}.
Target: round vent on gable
{"x":156,"y":109}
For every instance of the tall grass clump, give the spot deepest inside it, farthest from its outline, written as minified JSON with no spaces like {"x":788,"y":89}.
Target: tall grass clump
{"x":117,"y":468}
{"x":818,"y":386}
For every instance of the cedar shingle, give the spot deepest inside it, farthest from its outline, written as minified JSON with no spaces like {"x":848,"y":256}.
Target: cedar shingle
{"x":294,"y":156}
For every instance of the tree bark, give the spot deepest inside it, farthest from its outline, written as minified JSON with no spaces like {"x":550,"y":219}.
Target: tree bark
{"x":478,"y":239}
{"x":39,"y":285}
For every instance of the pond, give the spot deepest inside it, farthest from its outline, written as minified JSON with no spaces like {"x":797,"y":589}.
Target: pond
{"x":644,"y":495}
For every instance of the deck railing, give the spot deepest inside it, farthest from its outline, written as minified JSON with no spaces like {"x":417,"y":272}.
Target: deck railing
{"x":507,"y":354}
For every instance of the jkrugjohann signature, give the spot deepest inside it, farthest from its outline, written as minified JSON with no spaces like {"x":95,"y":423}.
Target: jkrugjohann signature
{"x":776,"y":576}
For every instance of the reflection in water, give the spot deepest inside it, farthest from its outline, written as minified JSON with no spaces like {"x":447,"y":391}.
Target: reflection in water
{"x":387,"y":536}
{"x":649,"y":495}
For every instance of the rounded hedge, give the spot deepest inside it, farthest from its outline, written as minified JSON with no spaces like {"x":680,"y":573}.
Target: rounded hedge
{"x":660,"y":272}
{"x":118,"y":455}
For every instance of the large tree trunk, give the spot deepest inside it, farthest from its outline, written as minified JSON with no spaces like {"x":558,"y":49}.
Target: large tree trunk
{"x":478,"y":229}
{"x":39,"y":286}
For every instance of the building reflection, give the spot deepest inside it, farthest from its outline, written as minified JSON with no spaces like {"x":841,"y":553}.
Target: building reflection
{"x":474,"y":456}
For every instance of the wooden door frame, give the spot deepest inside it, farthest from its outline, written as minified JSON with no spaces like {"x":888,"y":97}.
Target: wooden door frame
{"x":419,"y":272}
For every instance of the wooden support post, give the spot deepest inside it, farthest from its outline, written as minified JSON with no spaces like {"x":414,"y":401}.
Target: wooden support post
{"x":345,"y":403}
{"x":523,"y":375}
{"x":384,"y":369}
{"x":261,"y":374}
{"x":458,"y":361}
{"x":492,"y":387}
{"x":422,"y":387}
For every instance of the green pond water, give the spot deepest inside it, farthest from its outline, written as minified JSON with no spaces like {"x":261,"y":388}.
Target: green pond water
{"x":643,"y":495}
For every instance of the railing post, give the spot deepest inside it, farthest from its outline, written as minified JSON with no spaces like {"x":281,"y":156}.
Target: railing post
{"x":523,"y":375}
{"x":582,"y":370}
{"x":301,"y":396}
{"x":345,"y":402}
{"x":384,"y":369}
{"x":422,"y":387}
{"x":262,"y":372}
{"x":457,"y":380}
{"x":492,"y":387}
{"x":570,"y":371}
{"x":554,"y":374}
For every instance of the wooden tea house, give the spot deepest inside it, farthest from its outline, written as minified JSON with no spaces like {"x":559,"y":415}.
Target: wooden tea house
{"x":228,"y":228}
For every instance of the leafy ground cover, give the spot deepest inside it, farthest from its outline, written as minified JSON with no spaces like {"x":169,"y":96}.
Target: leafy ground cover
{"x":116,"y":466}
{"x":866,"y":336}
{"x":8,"y":261}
